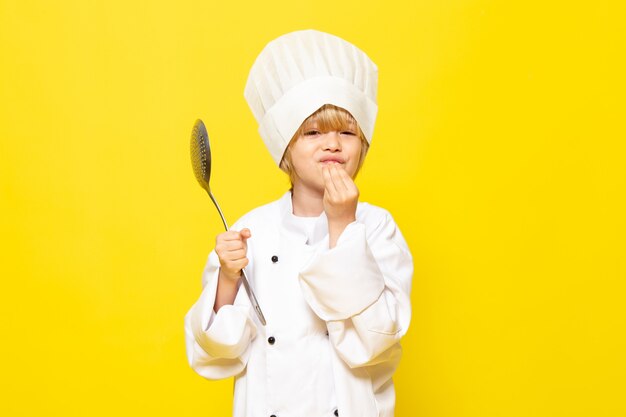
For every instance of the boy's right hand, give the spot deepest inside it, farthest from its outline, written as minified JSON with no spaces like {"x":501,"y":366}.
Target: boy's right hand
{"x":231,"y":249}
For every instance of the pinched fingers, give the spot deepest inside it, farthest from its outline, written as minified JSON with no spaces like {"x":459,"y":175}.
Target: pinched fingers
{"x":329,"y":184}
{"x":347,"y":182}
{"x":340,"y":188}
{"x":341,"y":195}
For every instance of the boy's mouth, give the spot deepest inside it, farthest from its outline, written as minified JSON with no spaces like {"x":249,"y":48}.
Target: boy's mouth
{"x":332,"y":161}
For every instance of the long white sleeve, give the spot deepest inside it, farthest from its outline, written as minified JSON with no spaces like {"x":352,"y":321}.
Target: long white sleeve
{"x":218,"y":343}
{"x":361,"y":288}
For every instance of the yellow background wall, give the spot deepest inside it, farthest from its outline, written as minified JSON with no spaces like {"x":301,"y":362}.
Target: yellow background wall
{"x":499,"y":148}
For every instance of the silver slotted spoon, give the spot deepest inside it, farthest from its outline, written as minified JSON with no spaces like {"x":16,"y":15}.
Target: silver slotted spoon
{"x":201,"y":162}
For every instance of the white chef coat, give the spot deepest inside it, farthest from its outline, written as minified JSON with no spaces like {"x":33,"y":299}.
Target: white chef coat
{"x":334,"y":316}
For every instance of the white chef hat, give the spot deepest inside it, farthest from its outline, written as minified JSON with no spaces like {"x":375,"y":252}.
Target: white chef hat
{"x":299,"y":72}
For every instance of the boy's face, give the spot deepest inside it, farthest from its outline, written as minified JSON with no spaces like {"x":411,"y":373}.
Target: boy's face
{"x":314,"y":148}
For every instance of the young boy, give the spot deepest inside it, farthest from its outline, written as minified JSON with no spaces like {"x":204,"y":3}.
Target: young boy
{"x":331,"y":274}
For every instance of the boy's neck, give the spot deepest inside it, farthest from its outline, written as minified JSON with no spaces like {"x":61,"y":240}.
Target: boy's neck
{"x":306,"y":202}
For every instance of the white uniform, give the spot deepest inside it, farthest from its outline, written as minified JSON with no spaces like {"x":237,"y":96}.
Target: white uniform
{"x":334,"y":316}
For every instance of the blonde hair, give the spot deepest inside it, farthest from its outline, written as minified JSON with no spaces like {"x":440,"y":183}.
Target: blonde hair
{"x":328,"y":118}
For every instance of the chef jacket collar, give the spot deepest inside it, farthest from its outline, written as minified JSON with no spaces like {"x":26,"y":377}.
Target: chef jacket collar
{"x":297,"y":229}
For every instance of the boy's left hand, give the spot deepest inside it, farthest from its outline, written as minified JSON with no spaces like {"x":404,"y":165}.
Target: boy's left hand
{"x":341,"y":196}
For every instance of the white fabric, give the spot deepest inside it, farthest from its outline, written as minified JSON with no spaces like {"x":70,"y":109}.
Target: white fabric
{"x":297,"y":73}
{"x":337,"y":316}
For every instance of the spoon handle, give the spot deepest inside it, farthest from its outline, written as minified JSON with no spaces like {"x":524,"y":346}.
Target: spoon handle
{"x":244,"y":277}
{"x":217,"y":206}
{"x":253,"y":300}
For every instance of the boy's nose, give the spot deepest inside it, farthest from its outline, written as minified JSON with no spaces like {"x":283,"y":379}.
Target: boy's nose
{"x":333,"y":141}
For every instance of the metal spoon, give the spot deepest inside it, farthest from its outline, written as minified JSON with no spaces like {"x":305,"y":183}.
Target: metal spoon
{"x":201,"y":162}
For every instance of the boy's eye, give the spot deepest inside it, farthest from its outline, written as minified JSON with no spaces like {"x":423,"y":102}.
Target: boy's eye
{"x":348,"y":132}
{"x":311,"y":132}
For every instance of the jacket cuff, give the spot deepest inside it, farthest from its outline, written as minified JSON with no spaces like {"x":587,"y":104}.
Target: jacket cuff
{"x":341,"y":282}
